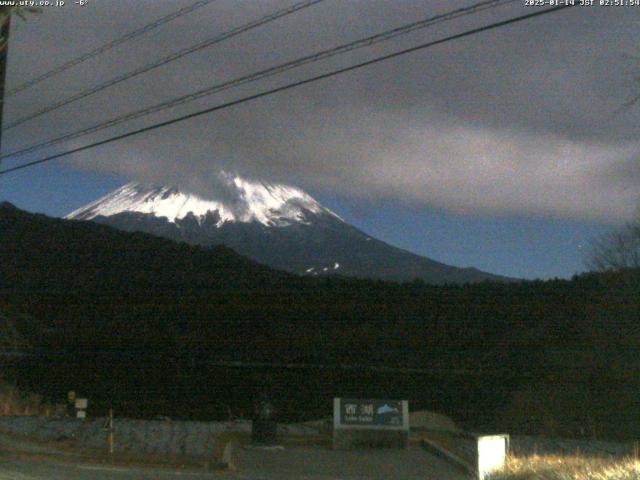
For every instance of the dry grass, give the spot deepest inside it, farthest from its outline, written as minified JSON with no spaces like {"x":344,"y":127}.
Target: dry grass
{"x":550,"y":467}
{"x":15,"y":402}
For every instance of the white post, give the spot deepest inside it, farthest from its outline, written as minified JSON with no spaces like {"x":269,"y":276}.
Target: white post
{"x":491,"y":453}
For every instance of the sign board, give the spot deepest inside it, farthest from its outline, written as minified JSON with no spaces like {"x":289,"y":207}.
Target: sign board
{"x":492,"y":453}
{"x":81,"y":414}
{"x":81,"y":403}
{"x":368,"y":414}
{"x":370,"y":423}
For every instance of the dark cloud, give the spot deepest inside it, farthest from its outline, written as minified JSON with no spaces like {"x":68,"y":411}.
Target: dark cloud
{"x":525,"y":119}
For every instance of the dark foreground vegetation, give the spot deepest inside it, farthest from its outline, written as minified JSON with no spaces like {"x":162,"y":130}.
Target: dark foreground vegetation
{"x":142,"y":324}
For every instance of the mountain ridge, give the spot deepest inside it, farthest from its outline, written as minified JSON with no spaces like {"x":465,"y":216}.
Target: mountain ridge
{"x":274,"y":224}
{"x":267,"y":203}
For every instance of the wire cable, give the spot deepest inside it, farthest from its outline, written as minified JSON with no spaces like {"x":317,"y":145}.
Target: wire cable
{"x":289,"y":86}
{"x":108,"y":46}
{"x":315,"y":57}
{"x":165,"y":60}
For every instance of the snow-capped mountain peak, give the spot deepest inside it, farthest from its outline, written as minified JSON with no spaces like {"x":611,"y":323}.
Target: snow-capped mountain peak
{"x":274,"y":224}
{"x":242,"y":200}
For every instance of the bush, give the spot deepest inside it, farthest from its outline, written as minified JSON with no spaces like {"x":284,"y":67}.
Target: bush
{"x":15,"y":402}
{"x":550,"y":467}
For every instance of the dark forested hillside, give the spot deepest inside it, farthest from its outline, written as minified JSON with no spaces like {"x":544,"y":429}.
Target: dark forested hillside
{"x":143,"y":323}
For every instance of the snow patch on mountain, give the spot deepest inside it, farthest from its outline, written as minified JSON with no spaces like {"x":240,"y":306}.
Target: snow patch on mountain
{"x":270,"y":204}
{"x":312,"y":270}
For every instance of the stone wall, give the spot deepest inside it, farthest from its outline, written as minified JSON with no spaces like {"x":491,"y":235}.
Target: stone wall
{"x":154,"y":437}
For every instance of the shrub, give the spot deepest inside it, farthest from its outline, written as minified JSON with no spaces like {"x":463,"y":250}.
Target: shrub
{"x":550,"y":467}
{"x":15,"y":402}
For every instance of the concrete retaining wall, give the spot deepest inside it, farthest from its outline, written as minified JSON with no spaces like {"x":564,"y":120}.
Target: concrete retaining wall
{"x":192,"y":439}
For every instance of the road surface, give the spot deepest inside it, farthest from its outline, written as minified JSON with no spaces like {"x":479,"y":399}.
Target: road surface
{"x":291,"y":464}
{"x":30,"y":469}
{"x":21,"y":459}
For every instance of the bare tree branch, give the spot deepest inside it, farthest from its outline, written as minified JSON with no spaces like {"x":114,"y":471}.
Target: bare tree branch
{"x":618,"y":250}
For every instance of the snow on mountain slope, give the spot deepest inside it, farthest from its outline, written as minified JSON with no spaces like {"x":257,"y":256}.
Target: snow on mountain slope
{"x":274,"y":224}
{"x":245,"y":201}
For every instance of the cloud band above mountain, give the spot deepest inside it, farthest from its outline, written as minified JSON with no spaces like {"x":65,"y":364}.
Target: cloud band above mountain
{"x":521,"y":120}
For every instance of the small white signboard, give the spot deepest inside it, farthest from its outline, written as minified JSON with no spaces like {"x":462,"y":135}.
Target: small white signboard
{"x":81,"y":403}
{"x":81,"y":414}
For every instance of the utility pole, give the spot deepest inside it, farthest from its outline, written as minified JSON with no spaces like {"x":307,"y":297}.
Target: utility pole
{"x":110,"y":432}
{"x":5,"y":18}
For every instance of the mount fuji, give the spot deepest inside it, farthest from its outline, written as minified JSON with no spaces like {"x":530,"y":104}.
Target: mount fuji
{"x":277,"y":225}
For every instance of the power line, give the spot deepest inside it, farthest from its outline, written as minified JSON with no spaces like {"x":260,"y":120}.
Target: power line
{"x":165,"y":60}
{"x":20,"y":352}
{"x":108,"y":46}
{"x":291,"y":86}
{"x":315,"y":57}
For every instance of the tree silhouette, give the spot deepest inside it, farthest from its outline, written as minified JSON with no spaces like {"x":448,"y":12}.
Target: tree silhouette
{"x":618,"y":250}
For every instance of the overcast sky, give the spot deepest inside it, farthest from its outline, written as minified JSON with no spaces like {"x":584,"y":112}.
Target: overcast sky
{"x":525,"y":121}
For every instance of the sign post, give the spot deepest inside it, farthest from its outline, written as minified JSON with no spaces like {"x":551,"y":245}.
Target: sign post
{"x":369,"y":422}
{"x":108,"y":427}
